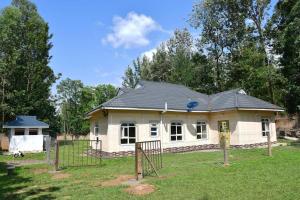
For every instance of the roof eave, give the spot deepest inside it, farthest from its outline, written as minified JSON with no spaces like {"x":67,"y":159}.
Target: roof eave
{"x":6,"y":126}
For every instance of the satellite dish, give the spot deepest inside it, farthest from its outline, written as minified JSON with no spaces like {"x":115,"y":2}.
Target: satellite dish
{"x":191,"y":105}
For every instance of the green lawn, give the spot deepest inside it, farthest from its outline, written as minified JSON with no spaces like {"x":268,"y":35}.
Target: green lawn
{"x":197,"y":175}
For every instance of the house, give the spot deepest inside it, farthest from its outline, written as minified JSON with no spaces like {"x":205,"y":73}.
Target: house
{"x":158,"y":111}
{"x":25,"y":134}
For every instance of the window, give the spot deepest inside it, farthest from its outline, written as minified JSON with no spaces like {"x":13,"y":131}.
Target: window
{"x":33,"y":132}
{"x":265,"y":126}
{"x":128,"y":133}
{"x":19,"y":132}
{"x":201,"y":130}
{"x":96,"y":129}
{"x":153,"y":129}
{"x":176,"y":131}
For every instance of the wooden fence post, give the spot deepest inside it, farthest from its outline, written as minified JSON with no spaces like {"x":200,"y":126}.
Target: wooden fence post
{"x":225,"y":151}
{"x":48,"y":148}
{"x":269,"y":145}
{"x":56,"y":155}
{"x":138,"y":161}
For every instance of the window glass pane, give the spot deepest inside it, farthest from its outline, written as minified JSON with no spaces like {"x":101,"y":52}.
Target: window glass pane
{"x":263,"y":126}
{"x":132,"y":140}
{"x":173,"y":130}
{"x":153,"y":129}
{"x":132,"y":132}
{"x":153,"y":133}
{"x":124,"y":124}
{"x":204,"y":128}
{"x":131,"y":124}
{"x":179,"y":137}
{"x":173,"y":138}
{"x":204,"y":136}
{"x":178,"y":129}
{"x":267,"y":126}
{"x":124,"y":141}
{"x":199,"y":136}
{"x":125,"y":132}
{"x":198,"y":129}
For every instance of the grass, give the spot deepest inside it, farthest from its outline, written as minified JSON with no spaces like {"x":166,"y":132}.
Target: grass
{"x":197,"y":175}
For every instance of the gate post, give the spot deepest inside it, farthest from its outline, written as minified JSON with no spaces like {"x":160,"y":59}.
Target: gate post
{"x":56,"y":155}
{"x":138,"y":161}
{"x":269,"y":144}
{"x":225,"y":153}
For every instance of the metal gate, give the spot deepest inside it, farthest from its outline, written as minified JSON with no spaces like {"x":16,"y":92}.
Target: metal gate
{"x":74,"y":153}
{"x":148,"y":158}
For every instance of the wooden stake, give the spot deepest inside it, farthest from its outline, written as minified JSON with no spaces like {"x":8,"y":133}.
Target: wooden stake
{"x":269,"y":145}
{"x":225,"y":152}
{"x":56,"y":155}
{"x":138,"y":161}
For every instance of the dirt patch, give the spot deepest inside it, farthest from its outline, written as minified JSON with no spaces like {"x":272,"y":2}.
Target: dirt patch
{"x":141,"y":189}
{"x":60,"y":176}
{"x":39,"y":171}
{"x":118,"y":181}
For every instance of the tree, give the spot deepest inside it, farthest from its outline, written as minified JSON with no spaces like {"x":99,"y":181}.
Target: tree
{"x":131,"y":78}
{"x":26,"y":78}
{"x":179,"y":51}
{"x":285,"y":33}
{"x":69,"y":95}
{"x":222,"y":25}
{"x":103,"y":93}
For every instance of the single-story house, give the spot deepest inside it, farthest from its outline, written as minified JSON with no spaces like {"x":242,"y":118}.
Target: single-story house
{"x":158,"y":111}
{"x":25,"y":134}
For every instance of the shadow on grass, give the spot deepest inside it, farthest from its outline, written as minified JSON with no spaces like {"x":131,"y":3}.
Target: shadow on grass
{"x":296,"y":143}
{"x":16,"y":187}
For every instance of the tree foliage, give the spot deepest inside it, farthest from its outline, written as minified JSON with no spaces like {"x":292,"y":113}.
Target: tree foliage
{"x":75,"y":100}
{"x":25,"y":76}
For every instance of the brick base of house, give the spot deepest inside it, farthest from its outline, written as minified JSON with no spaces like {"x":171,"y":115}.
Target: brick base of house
{"x":184,"y":149}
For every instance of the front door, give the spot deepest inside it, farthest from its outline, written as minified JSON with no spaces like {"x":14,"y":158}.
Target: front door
{"x":224,"y":132}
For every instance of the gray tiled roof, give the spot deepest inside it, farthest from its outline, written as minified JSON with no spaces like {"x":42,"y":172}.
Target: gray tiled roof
{"x":153,"y":95}
{"x":25,"y":121}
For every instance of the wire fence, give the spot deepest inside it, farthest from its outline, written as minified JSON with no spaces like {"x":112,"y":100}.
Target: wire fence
{"x":75,"y":153}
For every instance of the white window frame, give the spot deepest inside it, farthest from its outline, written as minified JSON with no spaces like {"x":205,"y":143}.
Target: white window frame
{"x":154,"y":124}
{"x":177,"y":124}
{"x":265,"y":132}
{"x":96,"y":129}
{"x":201,"y":124}
{"x":128,"y":137}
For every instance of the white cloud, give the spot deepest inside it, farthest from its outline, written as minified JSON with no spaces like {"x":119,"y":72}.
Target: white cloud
{"x":131,"y":31}
{"x":149,"y":53}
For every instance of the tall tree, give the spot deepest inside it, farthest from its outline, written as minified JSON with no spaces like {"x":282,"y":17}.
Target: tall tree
{"x":69,"y":95}
{"x":285,"y":34}
{"x":222,"y":25}
{"x":26,"y":78}
{"x":131,"y":78}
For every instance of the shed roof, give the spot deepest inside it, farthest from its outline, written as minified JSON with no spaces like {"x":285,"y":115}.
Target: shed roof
{"x":24,"y":121}
{"x":153,"y":95}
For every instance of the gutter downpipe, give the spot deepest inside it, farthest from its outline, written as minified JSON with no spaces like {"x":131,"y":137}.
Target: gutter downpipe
{"x":161,"y":124}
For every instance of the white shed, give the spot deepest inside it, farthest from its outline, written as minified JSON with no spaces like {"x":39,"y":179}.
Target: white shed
{"x":26,"y":134}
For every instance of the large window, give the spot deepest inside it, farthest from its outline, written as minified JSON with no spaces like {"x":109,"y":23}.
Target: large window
{"x":176,"y":131}
{"x":265,"y":126}
{"x":201,"y":130}
{"x":128,"y":133}
{"x":153,"y":129}
{"x":96,"y":129}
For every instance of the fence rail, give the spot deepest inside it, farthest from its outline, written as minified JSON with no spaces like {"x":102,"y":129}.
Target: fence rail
{"x":148,"y":158}
{"x":74,"y":153}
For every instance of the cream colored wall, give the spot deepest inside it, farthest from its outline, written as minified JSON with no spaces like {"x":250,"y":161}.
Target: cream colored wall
{"x":142,"y":121}
{"x":232,"y":117}
{"x":245,"y":127}
{"x":250,"y":130}
{"x":102,"y":120}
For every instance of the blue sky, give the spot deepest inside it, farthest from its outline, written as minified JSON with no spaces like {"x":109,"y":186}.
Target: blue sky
{"x":94,"y":41}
